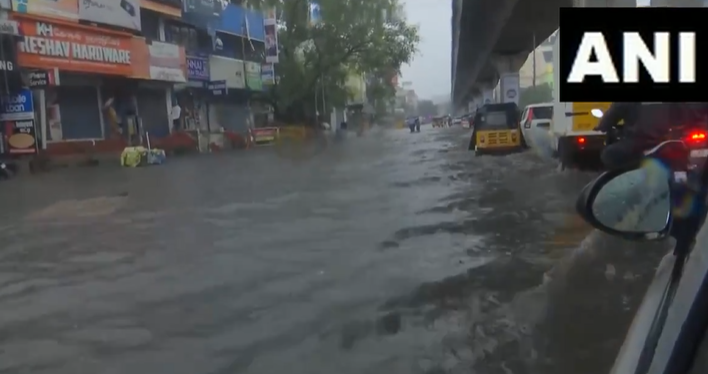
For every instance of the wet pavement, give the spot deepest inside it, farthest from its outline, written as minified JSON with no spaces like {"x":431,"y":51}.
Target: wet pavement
{"x":392,"y":253}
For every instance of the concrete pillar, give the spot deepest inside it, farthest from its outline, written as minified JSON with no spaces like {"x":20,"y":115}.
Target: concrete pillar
{"x":487,"y":96}
{"x":508,"y":69}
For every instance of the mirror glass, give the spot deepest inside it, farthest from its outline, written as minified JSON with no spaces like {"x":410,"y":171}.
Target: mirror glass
{"x":597,"y":113}
{"x":637,"y":201}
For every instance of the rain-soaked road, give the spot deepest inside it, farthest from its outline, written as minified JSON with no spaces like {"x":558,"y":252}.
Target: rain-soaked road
{"x":393,"y":253}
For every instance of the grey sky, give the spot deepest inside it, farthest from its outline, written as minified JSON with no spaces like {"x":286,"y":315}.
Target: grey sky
{"x":430,"y":70}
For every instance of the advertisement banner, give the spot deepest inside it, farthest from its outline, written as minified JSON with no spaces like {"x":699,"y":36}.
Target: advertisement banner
{"x":167,"y":62}
{"x":68,"y":9}
{"x":268,"y":74}
{"x":253,"y":76}
{"x":17,"y":106}
{"x":510,"y":88}
{"x":314,"y":14}
{"x":271,"y":16}
{"x":123,"y":13}
{"x":227,"y":69}
{"x":79,"y":48}
{"x":271,"y":44}
{"x":21,"y":136}
{"x":198,"y":68}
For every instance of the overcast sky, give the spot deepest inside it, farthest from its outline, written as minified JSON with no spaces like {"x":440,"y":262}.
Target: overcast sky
{"x":430,"y":70}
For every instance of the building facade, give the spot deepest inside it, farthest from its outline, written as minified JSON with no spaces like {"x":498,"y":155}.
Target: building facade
{"x":108,"y":72}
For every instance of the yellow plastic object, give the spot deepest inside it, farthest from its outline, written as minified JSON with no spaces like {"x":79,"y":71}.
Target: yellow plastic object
{"x":132,"y":156}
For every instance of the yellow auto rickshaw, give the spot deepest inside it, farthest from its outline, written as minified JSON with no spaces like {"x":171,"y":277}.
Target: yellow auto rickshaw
{"x":496,"y":129}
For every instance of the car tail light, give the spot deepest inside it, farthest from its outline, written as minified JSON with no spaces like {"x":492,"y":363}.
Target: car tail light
{"x":530,"y":116}
{"x":581,"y":140}
{"x":697,"y":136}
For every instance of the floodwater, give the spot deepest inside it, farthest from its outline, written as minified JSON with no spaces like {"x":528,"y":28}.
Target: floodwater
{"x":391,"y":253}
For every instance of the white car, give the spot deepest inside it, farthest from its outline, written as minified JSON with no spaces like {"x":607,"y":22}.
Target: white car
{"x":536,"y":116}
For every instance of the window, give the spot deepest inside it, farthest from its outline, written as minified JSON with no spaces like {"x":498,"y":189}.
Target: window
{"x":543,"y":112}
{"x":548,"y":57}
{"x":150,"y":24}
{"x":190,"y":38}
{"x":496,"y":120}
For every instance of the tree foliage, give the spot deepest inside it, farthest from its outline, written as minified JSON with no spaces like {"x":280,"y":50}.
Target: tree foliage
{"x":353,"y":37}
{"x":536,"y":94}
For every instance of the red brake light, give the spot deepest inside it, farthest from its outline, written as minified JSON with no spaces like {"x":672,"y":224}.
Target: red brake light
{"x":696,"y":136}
{"x":530,"y":116}
{"x":581,"y":140}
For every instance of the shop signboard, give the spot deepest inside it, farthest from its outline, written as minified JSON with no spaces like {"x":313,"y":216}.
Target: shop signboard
{"x":267,"y":74}
{"x":21,"y":136}
{"x":264,"y":135}
{"x":123,"y":13}
{"x":227,"y":69}
{"x":17,"y":106}
{"x":253,"y":76}
{"x":218,"y":88}
{"x":239,"y":21}
{"x":47,"y":45}
{"x":43,"y":78}
{"x":17,"y":116}
{"x":68,"y":9}
{"x":9,"y":27}
{"x":167,"y":62}
{"x":198,"y":68}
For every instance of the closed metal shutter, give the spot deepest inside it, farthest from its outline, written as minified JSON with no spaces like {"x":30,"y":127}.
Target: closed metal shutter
{"x":80,"y":115}
{"x":229,"y":116}
{"x":152,"y":109}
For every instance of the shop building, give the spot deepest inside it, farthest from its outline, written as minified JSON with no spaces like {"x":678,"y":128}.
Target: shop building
{"x":233,"y":37}
{"x":86,"y":58}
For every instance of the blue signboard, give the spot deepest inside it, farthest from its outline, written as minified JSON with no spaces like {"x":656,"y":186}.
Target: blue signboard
{"x":234,"y":20}
{"x":17,"y":106}
{"x":220,"y":15}
{"x":197,"y":68}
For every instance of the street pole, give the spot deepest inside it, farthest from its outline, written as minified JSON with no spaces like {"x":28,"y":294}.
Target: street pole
{"x":324,"y":102}
{"x":534,"y":60}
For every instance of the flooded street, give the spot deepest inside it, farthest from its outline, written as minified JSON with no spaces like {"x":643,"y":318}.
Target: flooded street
{"x":393,"y":253}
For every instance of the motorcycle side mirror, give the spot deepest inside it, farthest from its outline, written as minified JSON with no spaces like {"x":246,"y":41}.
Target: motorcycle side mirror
{"x":633,"y":204}
{"x":597,"y":113}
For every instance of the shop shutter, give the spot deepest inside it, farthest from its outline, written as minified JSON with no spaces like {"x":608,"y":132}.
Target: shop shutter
{"x":80,"y":115}
{"x":152,"y":109}
{"x":229,"y":116}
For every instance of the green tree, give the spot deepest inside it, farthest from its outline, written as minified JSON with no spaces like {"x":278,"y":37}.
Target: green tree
{"x":536,"y":94}
{"x":354,"y":36}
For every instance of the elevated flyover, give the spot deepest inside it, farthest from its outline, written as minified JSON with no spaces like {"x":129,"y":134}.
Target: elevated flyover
{"x":491,"y":38}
